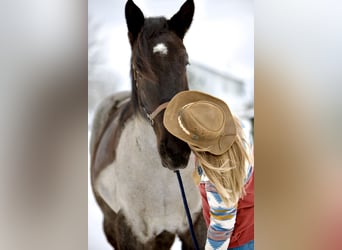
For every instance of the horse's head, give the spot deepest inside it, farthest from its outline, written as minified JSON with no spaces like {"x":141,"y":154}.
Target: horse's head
{"x":159,"y":61}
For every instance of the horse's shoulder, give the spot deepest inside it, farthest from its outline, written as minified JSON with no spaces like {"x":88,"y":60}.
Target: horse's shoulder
{"x":104,"y":113}
{"x":110,"y":113}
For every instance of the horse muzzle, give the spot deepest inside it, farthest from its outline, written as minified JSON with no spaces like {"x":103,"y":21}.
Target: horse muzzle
{"x":174,"y":165}
{"x":176,"y":157}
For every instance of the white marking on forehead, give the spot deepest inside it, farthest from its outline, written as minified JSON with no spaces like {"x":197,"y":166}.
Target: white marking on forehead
{"x":160,"y":48}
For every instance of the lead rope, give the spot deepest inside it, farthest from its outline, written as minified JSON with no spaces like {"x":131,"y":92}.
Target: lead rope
{"x":194,"y":240}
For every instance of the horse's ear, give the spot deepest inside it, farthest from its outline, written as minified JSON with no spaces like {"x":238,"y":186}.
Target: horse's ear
{"x":181,"y":21}
{"x":135,"y":20}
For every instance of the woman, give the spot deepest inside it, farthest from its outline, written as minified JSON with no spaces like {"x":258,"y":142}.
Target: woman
{"x":223,"y":163}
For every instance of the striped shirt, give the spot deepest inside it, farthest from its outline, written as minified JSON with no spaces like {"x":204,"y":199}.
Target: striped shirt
{"x":222,"y":218}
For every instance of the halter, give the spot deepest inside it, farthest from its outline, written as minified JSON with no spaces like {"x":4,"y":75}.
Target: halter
{"x":156,"y":112}
{"x":161,"y":107}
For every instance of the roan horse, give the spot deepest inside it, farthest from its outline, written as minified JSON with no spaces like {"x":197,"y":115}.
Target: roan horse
{"x":132,"y":154}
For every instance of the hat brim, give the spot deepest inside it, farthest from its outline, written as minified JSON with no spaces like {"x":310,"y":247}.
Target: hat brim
{"x":217,"y":146}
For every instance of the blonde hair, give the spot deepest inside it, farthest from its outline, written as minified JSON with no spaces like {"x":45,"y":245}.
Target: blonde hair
{"x":227,"y":171}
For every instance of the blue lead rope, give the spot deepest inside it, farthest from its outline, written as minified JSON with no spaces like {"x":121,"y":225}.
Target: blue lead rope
{"x":194,"y":240}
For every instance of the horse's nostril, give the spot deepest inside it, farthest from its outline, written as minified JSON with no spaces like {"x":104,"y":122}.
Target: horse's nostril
{"x":173,"y":160}
{"x":174,"y":153}
{"x":178,"y":154}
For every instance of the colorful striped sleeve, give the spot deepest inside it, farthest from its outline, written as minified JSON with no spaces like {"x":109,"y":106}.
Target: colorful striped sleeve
{"x":222,"y":220}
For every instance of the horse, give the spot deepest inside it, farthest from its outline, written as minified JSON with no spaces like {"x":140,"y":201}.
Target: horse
{"x":133,"y":156}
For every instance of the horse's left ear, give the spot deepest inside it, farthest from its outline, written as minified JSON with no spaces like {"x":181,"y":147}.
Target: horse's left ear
{"x":135,"y":20}
{"x":181,"y":21}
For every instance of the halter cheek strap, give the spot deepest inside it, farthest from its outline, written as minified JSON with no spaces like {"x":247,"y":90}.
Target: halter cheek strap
{"x":158,"y":109}
{"x":156,"y":112}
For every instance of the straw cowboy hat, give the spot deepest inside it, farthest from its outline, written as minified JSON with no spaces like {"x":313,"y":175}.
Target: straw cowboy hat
{"x":203,"y":121}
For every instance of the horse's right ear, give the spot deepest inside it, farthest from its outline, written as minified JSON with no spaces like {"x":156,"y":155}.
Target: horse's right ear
{"x":135,"y":20}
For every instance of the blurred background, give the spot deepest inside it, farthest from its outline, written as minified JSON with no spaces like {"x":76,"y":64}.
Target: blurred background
{"x":44,"y":116}
{"x":220,"y":45}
